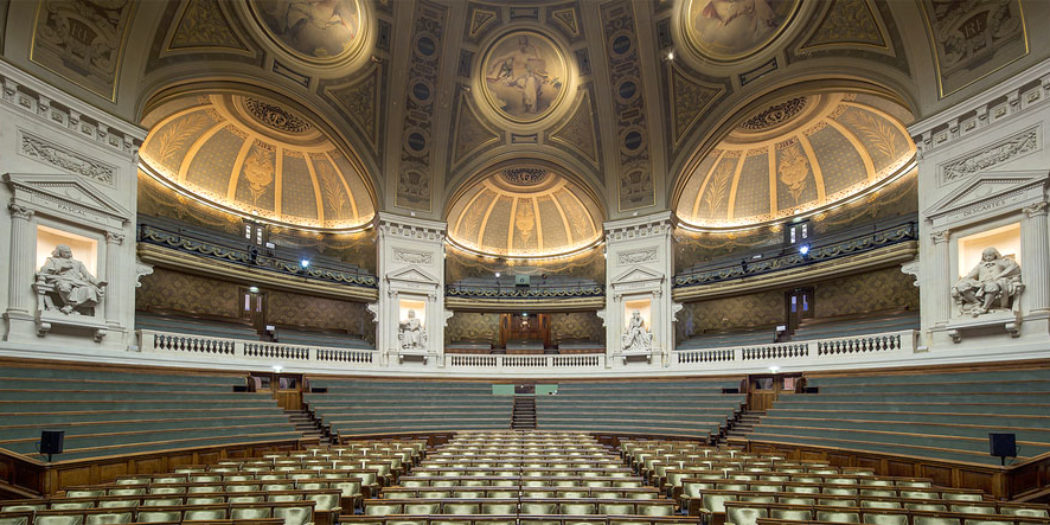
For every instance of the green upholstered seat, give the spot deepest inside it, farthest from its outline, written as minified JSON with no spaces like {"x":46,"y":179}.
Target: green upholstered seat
{"x":146,"y":516}
{"x":835,"y":516}
{"x":935,"y":520}
{"x":294,"y":515}
{"x":70,"y":519}
{"x":885,"y":519}
{"x":538,"y":507}
{"x":745,"y":515}
{"x":250,"y":512}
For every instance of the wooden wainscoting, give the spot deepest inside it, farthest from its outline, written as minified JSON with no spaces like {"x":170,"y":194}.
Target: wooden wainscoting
{"x":21,"y":476}
{"x":990,"y":479}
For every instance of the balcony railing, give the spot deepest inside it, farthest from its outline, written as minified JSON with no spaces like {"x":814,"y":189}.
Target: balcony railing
{"x":509,"y":291}
{"x":840,"y":352}
{"x":840,"y":246}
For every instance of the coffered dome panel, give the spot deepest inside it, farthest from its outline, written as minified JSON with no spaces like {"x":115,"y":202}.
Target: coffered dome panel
{"x":798,"y":155}
{"x":525,"y":212}
{"x":251,"y":156}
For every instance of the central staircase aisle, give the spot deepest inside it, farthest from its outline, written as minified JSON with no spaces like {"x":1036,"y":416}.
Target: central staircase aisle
{"x":524,"y":414}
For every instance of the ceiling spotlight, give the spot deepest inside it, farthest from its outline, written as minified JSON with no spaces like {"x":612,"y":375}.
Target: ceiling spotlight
{"x":670,"y":55}
{"x":497,"y":275}
{"x":253,"y":289}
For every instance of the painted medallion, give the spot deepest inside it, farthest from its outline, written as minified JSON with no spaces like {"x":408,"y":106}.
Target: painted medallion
{"x":524,"y":75}
{"x":725,"y":30}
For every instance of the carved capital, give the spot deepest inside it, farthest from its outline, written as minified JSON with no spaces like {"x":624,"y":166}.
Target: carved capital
{"x":20,"y":212}
{"x":1038,"y":209}
{"x":114,"y":238}
{"x":939,"y":236}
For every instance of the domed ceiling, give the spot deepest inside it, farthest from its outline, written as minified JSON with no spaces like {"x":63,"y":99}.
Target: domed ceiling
{"x":798,"y":155}
{"x":524,"y":212}
{"x":252,"y":156}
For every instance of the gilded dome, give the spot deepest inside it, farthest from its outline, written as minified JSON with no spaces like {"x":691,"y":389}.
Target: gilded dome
{"x":798,"y":155}
{"x":524,"y":212}
{"x":252,"y":156}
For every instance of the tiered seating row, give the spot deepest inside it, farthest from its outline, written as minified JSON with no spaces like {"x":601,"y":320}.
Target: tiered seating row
{"x":107,"y":413}
{"x":696,"y":408}
{"x":358,"y":407}
{"x":944,"y":416}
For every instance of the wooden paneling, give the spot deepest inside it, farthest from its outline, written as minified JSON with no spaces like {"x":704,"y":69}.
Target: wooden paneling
{"x":289,"y":399}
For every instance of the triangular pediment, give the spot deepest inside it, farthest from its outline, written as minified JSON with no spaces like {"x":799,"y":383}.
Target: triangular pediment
{"x":985,"y":187}
{"x":68,"y":189}
{"x":413,"y":274}
{"x":637,"y":274}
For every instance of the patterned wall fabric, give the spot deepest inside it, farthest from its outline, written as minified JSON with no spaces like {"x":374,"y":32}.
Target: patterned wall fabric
{"x":730,"y":313}
{"x":881,"y":289}
{"x":292,"y":309}
{"x":167,"y":290}
{"x":586,"y":326}
{"x":472,"y":326}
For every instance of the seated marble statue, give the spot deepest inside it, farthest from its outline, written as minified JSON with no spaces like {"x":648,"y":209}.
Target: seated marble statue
{"x":637,"y":338}
{"x":75,"y":289}
{"x":411,"y":333}
{"x":992,"y":284}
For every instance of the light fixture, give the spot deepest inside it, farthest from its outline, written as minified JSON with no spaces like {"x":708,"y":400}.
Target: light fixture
{"x":803,"y":250}
{"x":497,"y":275}
{"x":253,"y":289}
{"x":305,"y":263}
{"x":277,"y":369}
{"x":774,"y":369}
{"x":670,"y":55}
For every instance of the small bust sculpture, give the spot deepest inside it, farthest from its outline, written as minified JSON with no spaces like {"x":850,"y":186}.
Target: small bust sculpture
{"x":637,"y":338}
{"x":67,"y":284}
{"x":411,"y":333}
{"x":992,"y":284}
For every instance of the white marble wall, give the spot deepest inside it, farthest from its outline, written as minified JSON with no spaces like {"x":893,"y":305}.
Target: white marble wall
{"x":71,"y":167}
{"x":638,"y":267}
{"x":984,"y":163}
{"x":411,"y":267}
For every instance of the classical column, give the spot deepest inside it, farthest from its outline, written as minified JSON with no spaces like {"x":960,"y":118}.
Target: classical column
{"x":941,"y":299}
{"x":22,"y":272}
{"x":1035,"y":258}
{"x":115,"y":286}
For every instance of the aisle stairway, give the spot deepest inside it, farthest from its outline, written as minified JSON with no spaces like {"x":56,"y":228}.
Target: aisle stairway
{"x":309,"y":426}
{"x":524,"y":415}
{"x":738,"y":429}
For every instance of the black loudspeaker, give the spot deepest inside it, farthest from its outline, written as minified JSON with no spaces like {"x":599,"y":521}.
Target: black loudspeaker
{"x":1002,"y":445}
{"x":51,"y":441}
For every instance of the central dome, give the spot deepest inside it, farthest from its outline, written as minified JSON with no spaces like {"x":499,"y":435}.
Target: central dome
{"x":524,"y":212}
{"x":254,"y":157}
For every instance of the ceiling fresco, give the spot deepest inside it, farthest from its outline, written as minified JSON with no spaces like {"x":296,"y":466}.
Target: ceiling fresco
{"x":798,"y":155}
{"x":648,"y":104}
{"x":254,"y":157}
{"x":526,"y":211}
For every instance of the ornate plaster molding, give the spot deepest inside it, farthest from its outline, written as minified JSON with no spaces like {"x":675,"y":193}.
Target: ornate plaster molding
{"x":1017,"y":145}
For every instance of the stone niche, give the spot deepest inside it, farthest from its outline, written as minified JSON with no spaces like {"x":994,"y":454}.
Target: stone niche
{"x":66,"y":271}
{"x":989,"y":257}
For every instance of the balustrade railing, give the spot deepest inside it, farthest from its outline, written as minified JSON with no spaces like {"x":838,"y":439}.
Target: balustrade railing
{"x":845,"y":351}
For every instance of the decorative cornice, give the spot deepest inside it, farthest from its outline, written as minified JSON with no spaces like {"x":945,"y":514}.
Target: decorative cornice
{"x":1017,"y":145}
{"x":55,"y":155}
{"x":1004,"y":102}
{"x":57,"y":110}
{"x":639,"y":227}
{"x":411,"y":228}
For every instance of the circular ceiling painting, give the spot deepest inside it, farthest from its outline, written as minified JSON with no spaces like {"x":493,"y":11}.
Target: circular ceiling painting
{"x":314,"y":30}
{"x":725,"y":30}
{"x":524,"y":76}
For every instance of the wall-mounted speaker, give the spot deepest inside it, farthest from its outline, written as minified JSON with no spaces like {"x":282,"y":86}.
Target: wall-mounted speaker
{"x":1002,"y":445}
{"x":51,"y":441}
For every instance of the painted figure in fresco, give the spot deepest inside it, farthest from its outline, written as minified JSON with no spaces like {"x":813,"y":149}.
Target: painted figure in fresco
{"x":411,"y":333}
{"x":74,"y":287}
{"x":736,"y":25}
{"x":993,"y":283}
{"x":522,"y":69}
{"x":319,"y":28}
{"x":636,"y":337}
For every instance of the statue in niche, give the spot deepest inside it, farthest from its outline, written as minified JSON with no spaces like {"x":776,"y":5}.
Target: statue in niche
{"x":411,"y":334}
{"x":992,"y":284}
{"x":637,"y":338}
{"x":66,"y":285}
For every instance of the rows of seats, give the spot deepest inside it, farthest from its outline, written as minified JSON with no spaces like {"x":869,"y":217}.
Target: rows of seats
{"x":848,"y":326}
{"x":761,"y":335}
{"x":512,"y":477}
{"x":942,"y":415}
{"x":311,"y":486}
{"x":360,"y":407}
{"x":738,"y":488}
{"x":695,"y":407}
{"x":106,"y":413}
{"x":184,"y":324}
{"x":302,"y":336}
